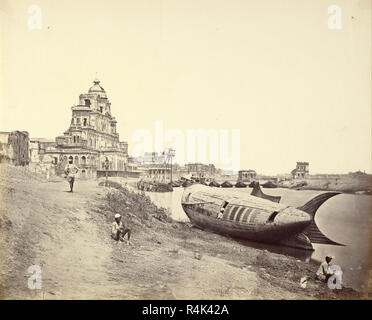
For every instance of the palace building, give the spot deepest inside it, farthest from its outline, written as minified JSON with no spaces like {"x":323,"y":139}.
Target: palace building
{"x":91,"y":140}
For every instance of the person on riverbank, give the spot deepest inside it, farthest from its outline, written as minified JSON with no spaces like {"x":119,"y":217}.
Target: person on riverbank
{"x":220,"y":214}
{"x":71,"y":170}
{"x":119,"y":230}
{"x":323,"y":272}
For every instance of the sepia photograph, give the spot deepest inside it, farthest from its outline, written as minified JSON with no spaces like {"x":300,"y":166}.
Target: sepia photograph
{"x":174,"y":150}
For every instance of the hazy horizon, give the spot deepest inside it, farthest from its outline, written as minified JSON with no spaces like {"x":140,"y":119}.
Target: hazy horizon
{"x":297,"y":90}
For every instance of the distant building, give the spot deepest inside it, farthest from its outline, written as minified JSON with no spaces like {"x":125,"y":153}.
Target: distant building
{"x":40,"y":162}
{"x":14,"y":147}
{"x":91,"y":140}
{"x":157,"y":172}
{"x":153,"y":157}
{"x":246,"y":175}
{"x":301,"y":171}
{"x":201,"y":170}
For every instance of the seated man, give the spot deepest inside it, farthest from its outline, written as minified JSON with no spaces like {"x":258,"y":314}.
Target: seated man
{"x":118,"y":230}
{"x":323,"y":273}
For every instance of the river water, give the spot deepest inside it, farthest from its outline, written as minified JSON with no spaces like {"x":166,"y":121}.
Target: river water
{"x":346,"y":219}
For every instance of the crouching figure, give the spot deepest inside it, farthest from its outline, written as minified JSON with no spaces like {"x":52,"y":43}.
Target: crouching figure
{"x":119,"y":230}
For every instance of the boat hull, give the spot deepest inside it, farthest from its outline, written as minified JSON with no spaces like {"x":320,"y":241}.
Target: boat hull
{"x":249,"y":230}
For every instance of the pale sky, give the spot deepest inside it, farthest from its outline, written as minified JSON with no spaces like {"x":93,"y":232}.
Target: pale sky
{"x":297,"y":90}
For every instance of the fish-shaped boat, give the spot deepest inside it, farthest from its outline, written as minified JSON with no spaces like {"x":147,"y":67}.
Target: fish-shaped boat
{"x":254,"y":218}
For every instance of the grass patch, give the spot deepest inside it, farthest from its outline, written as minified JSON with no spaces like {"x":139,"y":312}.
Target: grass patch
{"x":134,"y":207}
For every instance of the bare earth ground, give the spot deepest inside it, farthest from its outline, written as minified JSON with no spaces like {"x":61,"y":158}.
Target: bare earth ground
{"x":68,"y":235}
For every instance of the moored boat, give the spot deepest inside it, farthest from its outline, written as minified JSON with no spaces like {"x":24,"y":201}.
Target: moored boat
{"x":214,"y":184}
{"x":240,"y":184}
{"x":254,"y":218}
{"x":226,"y":184}
{"x":187,"y":183}
{"x":269,"y":184}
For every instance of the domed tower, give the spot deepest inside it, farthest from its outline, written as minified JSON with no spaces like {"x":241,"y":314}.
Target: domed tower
{"x":96,"y":88}
{"x":96,"y":98}
{"x":92,"y":133}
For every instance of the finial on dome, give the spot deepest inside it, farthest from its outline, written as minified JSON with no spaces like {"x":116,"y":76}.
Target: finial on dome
{"x":96,"y":88}
{"x":96,"y":80}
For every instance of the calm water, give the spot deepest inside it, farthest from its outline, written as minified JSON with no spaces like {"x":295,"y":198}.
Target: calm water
{"x":346,"y":218}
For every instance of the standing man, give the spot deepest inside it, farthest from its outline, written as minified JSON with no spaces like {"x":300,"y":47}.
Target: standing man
{"x":71,"y":170}
{"x":118,"y":230}
{"x":107,"y":167}
{"x":323,"y":272}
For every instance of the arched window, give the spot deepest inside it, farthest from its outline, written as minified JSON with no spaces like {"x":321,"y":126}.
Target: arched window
{"x":76,"y":160}
{"x":70,"y":158}
{"x":87,"y":102}
{"x":83,"y":161}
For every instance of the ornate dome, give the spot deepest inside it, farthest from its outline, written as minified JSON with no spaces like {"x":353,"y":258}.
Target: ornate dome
{"x":96,"y":88}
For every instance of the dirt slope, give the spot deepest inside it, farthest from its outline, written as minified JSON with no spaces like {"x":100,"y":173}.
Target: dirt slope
{"x":67,"y":235}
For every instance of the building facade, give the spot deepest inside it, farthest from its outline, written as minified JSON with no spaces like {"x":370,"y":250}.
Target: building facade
{"x":246,"y":175}
{"x":301,"y":170}
{"x":14,"y":147}
{"x":157,"y":172}
{"x":201,"y":170}
{"x":91,"y":139}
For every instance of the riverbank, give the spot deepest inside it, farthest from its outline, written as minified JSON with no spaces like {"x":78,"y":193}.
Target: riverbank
{"x":68,"y":235}
{"x":345,"y":183}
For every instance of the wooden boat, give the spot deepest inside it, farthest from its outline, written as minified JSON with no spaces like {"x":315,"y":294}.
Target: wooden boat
{"x":240,"y":184}
{"x":254,"y":218}
{"x":252,"y":184}
{"x":214,"y":184}
{"x":176,"y":184}
{"x":226,"y":184}
{"x":187,"y":183}
{"x":269,"y":184}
